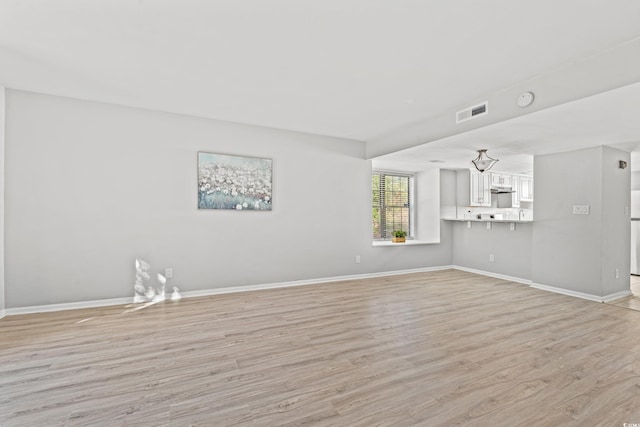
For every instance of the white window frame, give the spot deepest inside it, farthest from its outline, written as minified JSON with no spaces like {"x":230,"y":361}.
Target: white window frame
{"x":412,"y":203}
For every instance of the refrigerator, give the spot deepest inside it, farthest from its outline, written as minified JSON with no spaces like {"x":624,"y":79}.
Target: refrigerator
{"x":635,"y":232}
{"x":635,"y":243}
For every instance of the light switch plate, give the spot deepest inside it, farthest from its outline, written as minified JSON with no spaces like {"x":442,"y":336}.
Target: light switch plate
{"x":581,"y":209}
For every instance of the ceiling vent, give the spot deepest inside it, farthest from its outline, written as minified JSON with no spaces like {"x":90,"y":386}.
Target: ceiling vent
{"x":472,"y":112}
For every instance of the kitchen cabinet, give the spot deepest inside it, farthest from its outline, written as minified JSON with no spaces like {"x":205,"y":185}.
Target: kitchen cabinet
{"x":515,"y":187}
{"x":526,"y":189}
{"x":480,"y":189}
{"x":473,"y":188}
{"x":501,"y":180}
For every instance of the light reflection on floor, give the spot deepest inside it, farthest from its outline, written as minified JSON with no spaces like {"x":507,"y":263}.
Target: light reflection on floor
{"x":146,"y":295}
{"x":175,"y":297}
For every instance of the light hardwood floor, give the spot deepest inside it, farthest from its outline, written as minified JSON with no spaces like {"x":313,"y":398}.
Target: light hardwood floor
{"x":440,"y":348}
{"x":631,"y":302}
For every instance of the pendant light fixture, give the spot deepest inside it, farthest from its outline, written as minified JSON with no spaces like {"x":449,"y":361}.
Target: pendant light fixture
{"x":483,"y":162}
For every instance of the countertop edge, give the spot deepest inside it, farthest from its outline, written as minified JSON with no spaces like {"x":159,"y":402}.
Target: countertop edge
{"x":488,"y":220}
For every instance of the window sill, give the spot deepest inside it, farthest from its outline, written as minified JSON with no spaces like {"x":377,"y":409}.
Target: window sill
{"x":414,"y":242}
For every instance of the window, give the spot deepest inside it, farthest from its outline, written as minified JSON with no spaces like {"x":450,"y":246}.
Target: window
{"x":392,"y":203}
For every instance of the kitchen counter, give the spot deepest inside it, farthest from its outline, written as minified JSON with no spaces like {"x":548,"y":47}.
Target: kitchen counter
{"x":488,"y":220}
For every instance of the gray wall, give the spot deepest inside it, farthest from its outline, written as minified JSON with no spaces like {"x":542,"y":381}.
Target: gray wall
{"x":2,"y":202}
{"x":511,"y":249}
{"x":428,"y":200}
{"x":90,"y":187}
{"x":448,"y":188}
{"x":580,"y":252}
{"x":616,"y":227}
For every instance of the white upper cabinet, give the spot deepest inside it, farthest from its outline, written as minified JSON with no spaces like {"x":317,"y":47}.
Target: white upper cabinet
{"x":526,"y":189}
{"x":501,"y":180}
{"x":480,"y":189}
{"x":521,"y":185}
{"x":473,"y":188}
{"x":515,"y":187}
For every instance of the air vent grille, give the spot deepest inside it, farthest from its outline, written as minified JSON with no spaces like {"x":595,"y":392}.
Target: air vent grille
{"x":472,"y":112}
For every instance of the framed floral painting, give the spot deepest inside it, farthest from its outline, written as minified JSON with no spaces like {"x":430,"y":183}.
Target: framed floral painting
{"x":234,"y":182}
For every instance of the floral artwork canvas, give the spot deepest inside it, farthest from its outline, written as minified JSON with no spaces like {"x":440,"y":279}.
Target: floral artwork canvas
{"x":234,"y":182}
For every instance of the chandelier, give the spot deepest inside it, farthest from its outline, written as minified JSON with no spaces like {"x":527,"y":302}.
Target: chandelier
{"x":483,"y":162}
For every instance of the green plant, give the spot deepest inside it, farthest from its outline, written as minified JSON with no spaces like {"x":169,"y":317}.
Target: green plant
{"x":399,"y":233}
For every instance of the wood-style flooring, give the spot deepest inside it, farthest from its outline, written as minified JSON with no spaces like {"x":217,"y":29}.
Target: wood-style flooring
{"x":631,"y":302}
{"x":430,"y":349}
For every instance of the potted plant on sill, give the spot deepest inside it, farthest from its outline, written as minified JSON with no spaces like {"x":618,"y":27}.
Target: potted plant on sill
{"x":399,"y":236}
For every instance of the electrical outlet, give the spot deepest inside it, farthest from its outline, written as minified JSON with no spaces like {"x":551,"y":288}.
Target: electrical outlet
{"x":168,"y":272}
{"x":492,"y":258}
{"x":357,"y":259}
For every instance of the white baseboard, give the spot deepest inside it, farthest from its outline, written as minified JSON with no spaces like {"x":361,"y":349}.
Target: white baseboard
{"x":68,"y":306}
{"x":496,"y":275}
{"x":617,"y":295}
{"x":596,"y":298}
{"x":233,"y":289}
{"x":567,"y":292}
{"x":590,"y":297}
{"x":216,"y":291}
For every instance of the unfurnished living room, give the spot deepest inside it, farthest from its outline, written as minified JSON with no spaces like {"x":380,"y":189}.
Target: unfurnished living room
{"x":336,"y":213}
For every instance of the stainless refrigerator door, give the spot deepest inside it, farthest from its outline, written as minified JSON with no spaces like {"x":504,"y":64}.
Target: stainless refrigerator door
{"x":635,"y":248}
{"x":635,"y":204}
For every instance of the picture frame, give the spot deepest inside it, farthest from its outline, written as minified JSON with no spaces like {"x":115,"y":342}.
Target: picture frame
{"x":233,"y":182}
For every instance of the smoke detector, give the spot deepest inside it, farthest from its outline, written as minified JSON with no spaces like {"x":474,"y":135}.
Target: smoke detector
{"x":525,"y":99}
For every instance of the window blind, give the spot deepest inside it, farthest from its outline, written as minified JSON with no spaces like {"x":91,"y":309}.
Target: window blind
{"x":392,"y":203}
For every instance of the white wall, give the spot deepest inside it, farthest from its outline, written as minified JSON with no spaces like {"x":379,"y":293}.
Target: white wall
{"x":580,"y":252}
{"x":2,"y":202}
{"x":90,"y":187}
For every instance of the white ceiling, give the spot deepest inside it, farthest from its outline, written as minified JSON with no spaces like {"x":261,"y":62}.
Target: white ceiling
{"x":611,"y":118}
{"x":355,"y":69}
